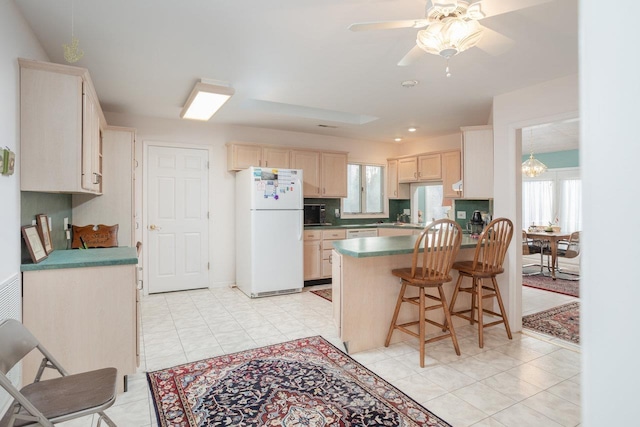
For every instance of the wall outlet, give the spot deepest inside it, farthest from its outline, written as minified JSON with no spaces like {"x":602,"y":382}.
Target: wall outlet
{"x":407,"y":211}
{"x":337,"y":213}
{"x":461,"y":214}
{"x":66,"y":224}
{"x":33,"y":222}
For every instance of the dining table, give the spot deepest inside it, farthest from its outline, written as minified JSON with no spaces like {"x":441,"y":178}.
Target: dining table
{"x":553,"y":237}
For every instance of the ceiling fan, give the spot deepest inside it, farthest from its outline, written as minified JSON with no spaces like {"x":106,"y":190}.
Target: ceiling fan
{"x":451,"y":26}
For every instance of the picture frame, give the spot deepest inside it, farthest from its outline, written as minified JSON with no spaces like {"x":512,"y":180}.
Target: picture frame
{"x":33,"y":242}
{"x":45,"y":233}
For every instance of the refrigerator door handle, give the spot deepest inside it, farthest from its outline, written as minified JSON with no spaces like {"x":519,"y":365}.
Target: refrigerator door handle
{"x":300,"y":227}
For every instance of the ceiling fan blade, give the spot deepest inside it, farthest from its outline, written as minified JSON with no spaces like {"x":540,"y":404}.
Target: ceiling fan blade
{"x":494,"y":8}
{"x":494,"y":43}
{"x":389,"y":25}
{"x":411,"y":56}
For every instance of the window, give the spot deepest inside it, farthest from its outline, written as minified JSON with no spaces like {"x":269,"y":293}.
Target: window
{"x":426,"y":203}
{"x":554,"y":196}
{"x":365,"y":190}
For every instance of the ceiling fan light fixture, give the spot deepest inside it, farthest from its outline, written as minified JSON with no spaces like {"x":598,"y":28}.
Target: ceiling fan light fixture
{"x":449,"y":36}
{"x":205,"y":100}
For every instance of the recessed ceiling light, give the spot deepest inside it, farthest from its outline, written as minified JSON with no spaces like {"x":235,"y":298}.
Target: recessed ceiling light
{"x":412,"y":129}
{"x":398,"y":139}
{"x":409,"y":83}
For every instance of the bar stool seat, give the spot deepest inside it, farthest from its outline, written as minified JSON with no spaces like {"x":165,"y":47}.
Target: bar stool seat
{"x":434,"y":252}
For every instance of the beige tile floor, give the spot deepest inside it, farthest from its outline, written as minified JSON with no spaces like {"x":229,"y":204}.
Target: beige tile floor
{"x":522,"y":382}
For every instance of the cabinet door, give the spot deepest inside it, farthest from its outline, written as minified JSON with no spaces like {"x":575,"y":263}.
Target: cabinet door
{"x":91,"y":144}
{"x":408,"y":169}
{"x":309,"y":162}
{"x":392,"y":179}
{"x":312,"y":259}
{"x":241,"y":156}
{"x":477,"y":162}
{"x":429,"y":167}
{"x":276,"y":157}
{"x":336,"y":290}
{"x":450,"y":173}
{"x":334,"y":175}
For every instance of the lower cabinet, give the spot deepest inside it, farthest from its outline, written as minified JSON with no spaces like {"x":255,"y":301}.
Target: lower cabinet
{"x":312,"y":254}
{"x":328,"y":237}
{"x":86,"y":317}
{"x":397,"y":232}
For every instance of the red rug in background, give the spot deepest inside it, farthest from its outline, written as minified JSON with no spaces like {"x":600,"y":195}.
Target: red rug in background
{"x":305,"y":382}
{"x":566,"y":287}
{"x":324,"y":293}
{"x":560,"y":322}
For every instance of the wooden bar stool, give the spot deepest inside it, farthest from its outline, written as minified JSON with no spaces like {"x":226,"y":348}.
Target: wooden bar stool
{"x":487,"y":264}
{"x":429,"y":269}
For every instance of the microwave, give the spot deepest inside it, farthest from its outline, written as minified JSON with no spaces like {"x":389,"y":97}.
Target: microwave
{"x":315,"y":214}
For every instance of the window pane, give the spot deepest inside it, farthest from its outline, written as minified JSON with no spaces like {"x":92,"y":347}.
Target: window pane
{"x":570,"y":216}
{"x":373,"y":189}
{"x":352,"y":203}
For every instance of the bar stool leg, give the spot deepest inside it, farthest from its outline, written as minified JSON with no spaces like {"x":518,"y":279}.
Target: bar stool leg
{"x":422,"y":326}
{"x":504,"y":315}
{"x":472,"y":313}
{"x":448,"y":321}
{"x":477,"y":292}
{"x":395,"y":314}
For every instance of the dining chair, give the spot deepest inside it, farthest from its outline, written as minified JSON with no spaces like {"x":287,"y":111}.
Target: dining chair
{"x":433,"y":255}
{"x":45,"y":402}
{"x":568,"y":249}
{"x":486,"y":265}
{"x":531,"y":247}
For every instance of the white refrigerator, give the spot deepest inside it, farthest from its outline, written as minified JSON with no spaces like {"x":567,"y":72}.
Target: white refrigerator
{"x":269,"y":225}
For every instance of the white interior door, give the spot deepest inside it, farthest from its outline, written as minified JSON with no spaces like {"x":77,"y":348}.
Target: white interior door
{"x":177,"y":223}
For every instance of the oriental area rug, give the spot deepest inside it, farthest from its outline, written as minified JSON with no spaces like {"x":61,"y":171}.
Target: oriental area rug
{"x":305,"y":382}
{"x":560,"y":322}
{"x":566,"y":287}
{"x":324,"y":293}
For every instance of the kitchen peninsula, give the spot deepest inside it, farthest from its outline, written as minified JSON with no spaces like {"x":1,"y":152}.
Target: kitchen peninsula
{"x":83,"y":306}
{"x":365,"y":291}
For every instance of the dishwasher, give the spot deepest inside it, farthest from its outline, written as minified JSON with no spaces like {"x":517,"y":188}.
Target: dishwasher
{"x":362,"y":232}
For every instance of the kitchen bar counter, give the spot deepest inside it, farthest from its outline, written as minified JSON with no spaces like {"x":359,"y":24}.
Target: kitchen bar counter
{"x":77,"y":258}
{"x":365,"y":291}
{"x":398,"y":225}
{"x":383,"y":246}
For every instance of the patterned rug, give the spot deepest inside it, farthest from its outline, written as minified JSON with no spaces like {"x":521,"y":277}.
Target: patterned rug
{"x":561,"y":322}
{"x":566,"y":287}
{"x":305,"y":382}
{"x":324,"y":293}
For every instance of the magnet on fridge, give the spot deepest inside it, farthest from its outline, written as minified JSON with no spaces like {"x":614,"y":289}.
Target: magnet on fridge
{"x":276,"y":197}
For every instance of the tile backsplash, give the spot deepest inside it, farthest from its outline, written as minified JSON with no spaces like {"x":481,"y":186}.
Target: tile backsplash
{"x":395,"y":207}
{"x":468,"y":206}
{"x":57,"y":206}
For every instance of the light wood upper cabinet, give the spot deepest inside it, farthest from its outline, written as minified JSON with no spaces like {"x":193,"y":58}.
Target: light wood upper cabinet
{"x":274,"y":157}
{"x":243,"y":156}
{"x":334,"y":174}
{"x":309,"y":162}
{"x":408,"y":169}
{"x":394,"y":188}
{"x":429,"y":167}
{"x":60,"y":129}
{"x":451,"y":173}
{"x":477,"y":148}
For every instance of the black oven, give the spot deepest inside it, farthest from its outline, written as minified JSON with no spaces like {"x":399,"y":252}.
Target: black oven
{"x":315,"y":214}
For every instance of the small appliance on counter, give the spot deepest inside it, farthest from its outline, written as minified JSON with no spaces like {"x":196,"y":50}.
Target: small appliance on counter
{"x":315,"y":214}
{"x":476,"y":225}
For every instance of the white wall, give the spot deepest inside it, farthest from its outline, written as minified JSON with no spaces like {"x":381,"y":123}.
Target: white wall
{"x":542,"y":103}
{"x":222,"y":182}
{"x":610,"y":149}
{"x":16,"y":40}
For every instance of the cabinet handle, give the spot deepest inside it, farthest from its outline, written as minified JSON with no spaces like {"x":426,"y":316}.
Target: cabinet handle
{"x":266,"y":164}
{"x":415,"y":174}
{"x":96,"y":178}
{"x":324,"y":190}
{"x":331,"y":259}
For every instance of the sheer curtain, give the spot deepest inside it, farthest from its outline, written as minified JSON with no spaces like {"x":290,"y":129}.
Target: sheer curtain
{"x":555,"y":196}
{"x":537,"y":202}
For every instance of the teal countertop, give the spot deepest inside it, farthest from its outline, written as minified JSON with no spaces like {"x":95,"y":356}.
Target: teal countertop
{"x":372,"y":225}
{"x":382,"y":246}
{"x":77,"y":258}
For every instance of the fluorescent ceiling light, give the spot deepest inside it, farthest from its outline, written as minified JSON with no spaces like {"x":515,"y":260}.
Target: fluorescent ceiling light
{"x":205,"y":99}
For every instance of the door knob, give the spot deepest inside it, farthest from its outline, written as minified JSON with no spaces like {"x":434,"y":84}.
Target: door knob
{"x":154,"y":227}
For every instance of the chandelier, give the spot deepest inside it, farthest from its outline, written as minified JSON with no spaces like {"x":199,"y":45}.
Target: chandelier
{"x":453,"y":28}
{"x":533,"y":167}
